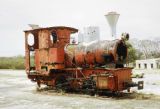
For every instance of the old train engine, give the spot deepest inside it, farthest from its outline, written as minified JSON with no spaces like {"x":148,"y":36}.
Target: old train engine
{"x":99,"y":66}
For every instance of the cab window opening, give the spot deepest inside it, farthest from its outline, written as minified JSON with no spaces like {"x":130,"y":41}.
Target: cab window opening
{"x":53,"y":37}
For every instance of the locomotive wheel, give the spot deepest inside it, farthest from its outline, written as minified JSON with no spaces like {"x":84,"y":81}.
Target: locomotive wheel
{"x":61,"y":82}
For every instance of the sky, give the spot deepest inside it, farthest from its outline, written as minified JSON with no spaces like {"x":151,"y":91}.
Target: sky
{"x":140,"y":18}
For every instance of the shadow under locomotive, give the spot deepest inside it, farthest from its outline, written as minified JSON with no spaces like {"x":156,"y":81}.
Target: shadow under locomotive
{"x":95,"y":67}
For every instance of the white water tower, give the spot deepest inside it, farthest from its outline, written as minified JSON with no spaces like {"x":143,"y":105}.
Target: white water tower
{"x":112,"y":18}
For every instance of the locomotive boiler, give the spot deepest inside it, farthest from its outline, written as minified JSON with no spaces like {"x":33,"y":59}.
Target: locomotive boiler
{"x":97,"y":66}
{"x":97,"y":54}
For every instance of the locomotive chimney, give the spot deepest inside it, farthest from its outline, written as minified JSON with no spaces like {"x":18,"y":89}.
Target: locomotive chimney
{"x":112,"y":18}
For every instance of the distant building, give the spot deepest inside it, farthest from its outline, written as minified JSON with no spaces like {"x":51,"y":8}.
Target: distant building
{"x":90,"y":34}
{"x":148,"y":64}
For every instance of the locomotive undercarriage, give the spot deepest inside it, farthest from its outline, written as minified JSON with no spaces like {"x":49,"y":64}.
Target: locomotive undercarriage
{"x":89,"y":81}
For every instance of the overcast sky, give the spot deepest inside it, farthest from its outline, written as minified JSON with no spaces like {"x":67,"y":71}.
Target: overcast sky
{"x":140,"y":18}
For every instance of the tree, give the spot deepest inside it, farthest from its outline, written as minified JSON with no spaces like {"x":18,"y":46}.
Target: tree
{"x":131,"y":53}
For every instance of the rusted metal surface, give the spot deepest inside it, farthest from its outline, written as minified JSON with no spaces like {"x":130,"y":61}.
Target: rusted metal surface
{"x":44,"y":47}
{"x":52,"y":61}
{"x":98,"y":53}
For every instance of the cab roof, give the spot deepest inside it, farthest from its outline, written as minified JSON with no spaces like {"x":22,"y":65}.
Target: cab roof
{"x":73,"y":30}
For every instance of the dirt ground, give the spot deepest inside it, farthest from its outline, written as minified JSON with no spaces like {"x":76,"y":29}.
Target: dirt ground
{"x":17,"y":92}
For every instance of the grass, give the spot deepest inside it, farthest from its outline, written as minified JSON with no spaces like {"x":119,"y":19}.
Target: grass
{"x":16,"y":62}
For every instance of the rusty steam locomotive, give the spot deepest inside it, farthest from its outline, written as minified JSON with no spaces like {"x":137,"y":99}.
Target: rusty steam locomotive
{"x":53,"y":61}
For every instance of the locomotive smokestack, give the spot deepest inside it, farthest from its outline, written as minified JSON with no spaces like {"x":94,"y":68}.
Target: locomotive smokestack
{"x":112,"y":18}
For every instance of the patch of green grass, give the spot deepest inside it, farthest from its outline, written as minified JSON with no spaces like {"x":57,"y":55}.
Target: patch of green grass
{"x":16,"y":62}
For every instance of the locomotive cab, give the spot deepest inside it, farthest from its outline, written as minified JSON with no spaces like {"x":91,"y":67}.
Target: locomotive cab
{"x":47,"y":49}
